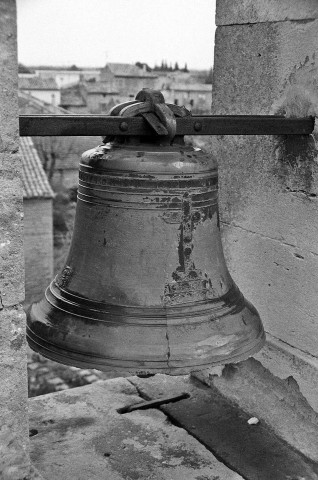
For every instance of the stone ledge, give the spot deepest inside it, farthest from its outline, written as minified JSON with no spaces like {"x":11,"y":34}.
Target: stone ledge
{"x":78,"y":434}
{"x":252,"y":450}
{"x":284,"y":361}
{"x":229,"y":12}
{"x":280,"y":387}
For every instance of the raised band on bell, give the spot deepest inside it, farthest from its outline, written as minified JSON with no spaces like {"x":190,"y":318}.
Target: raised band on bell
{"x":145,"y":288}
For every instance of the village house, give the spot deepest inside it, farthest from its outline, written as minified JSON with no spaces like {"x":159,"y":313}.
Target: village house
{"x":90,"y":97}
{"x":73,"y":98}
{"x":101,"y":96}
{"x":45,"y":89}
{"x":38,"y":222}
{"x":166,"y":77}
{"x":128,"y":79}
{"x":118,"y":83}
{"x":68,"y":76}
{"x":194,"y":96}
{"x":29,"y":105}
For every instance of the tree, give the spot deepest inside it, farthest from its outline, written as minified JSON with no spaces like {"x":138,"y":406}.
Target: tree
{"x":176,"y":66}
{"x":208,"y":79}
{"x":185,"y":69}
{"x":52,"y":149}
{"x":143,"y":65}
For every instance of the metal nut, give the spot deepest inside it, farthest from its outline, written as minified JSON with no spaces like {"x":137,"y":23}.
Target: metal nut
{"x":123,"y":126}
{"x":197,"y":126}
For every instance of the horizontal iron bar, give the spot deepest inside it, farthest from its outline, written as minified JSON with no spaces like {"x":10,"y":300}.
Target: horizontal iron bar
{"x":95,"y":125}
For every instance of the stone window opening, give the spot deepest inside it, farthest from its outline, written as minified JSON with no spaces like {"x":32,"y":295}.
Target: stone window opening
{"x":273,"y":212}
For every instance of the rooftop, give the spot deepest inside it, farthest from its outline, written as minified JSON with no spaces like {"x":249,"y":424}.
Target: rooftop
{"x":34,"y":180}
{"x":48,"y":68}
{"x":29,"y":105}
{"x":100,"y":87}
{"x":75,"y":95}
{"x":72,"y":96}
{"x":128,"y":70}
{"x":37,"y":83}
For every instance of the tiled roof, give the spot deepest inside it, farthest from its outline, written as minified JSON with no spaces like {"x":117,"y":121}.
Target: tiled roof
{"x":29,"y":105}
{"x":72,"y":96}
{"x":75,"y":95}
{"x":34,"y":181}
{"x":128,"y":70}
{"x":100,"y":87}
{"x":37,"y":83}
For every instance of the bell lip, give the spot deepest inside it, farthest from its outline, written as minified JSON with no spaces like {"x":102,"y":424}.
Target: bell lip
{"x":72,"y":358}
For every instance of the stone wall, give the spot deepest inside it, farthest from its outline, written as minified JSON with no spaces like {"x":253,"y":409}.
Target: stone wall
{"x":14,"y":461}
{"x":38,"y":247}
{"x":266,"y":63}
{"x":268,"y":185}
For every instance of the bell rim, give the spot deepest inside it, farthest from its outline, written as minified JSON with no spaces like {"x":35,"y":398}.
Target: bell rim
{"x":80,"y":360}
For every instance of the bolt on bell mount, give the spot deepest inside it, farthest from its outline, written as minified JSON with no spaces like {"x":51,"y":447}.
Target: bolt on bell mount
{"x":145,"y":287}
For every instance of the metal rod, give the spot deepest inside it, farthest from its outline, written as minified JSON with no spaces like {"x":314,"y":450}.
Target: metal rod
{"x":153,"y":403}
{"x":95,"y":125}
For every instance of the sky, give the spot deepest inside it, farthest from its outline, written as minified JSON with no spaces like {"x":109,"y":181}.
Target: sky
{"x":93,"y":32}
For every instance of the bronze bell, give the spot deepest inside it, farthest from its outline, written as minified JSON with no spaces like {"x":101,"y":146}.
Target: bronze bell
{"x":145,"y":288}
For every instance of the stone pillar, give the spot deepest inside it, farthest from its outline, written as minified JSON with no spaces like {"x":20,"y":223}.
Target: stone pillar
{"x":265,"y":63}
{"x":265,"y":56}
{"x":14,"y":459}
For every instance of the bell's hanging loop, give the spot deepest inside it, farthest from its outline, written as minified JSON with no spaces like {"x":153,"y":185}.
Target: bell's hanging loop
{"x":145,"y":287}
{"x":160,"y":109}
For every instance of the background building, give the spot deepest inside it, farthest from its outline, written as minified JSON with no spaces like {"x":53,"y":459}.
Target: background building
{"x":38,"y":222}
{"x":67,"y":76}
{"x":128,"y":79}
{"x":45,"y":89}
{"x":92,"y":96}
{"x":194,"y":96}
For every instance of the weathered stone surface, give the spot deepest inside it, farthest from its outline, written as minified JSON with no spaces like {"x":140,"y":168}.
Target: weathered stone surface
{"x":33,"y":474}
{"x":255,"y":64}
{"x":78,"y":434}
{"x":278,"y":402}
{"x":38,"y":247}
{"x":252,"y":450}
{"x":268,"y":203}
{"x":14,"y":459}
{"x":268,"y":186}
{"x":11,"y":242}
{"x":11,"y":250}
{"x":281,"y":359}
{"x":281,"y":280}
{"x":229,"y":12}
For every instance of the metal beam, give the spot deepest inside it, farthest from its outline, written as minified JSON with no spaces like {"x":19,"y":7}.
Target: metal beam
{"x":95,"y":125}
